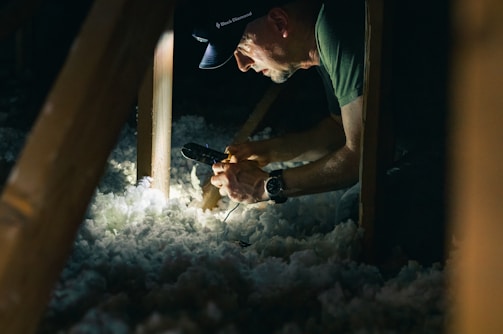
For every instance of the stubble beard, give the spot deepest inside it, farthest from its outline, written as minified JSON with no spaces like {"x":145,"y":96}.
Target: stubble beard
{"x":282,"y":76}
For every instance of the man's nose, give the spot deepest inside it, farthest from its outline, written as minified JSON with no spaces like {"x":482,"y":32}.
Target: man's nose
{"x":244,"y":62}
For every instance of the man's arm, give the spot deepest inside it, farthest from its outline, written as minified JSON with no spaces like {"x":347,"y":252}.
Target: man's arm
{"x":244,"y":181}
{"x":309,"y":145}
{"x":335,"y":170}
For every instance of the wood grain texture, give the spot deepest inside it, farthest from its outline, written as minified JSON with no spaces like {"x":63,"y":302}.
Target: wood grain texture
{"x":50,"y":186}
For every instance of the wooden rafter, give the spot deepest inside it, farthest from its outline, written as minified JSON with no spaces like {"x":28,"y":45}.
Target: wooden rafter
{"x":49,"y":188}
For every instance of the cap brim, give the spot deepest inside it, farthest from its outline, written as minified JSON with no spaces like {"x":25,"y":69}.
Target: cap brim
{"x":220,"y":51}
{"x":216,"y":56}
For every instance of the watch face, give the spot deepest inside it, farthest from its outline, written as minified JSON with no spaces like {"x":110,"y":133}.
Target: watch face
{"x":273,"y":186}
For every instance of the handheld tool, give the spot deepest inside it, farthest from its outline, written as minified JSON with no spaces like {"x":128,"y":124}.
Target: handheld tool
{"x":200,"y":153}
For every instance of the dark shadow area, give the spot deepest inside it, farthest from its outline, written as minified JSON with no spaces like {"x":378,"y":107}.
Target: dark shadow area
{"x":413,"y":215}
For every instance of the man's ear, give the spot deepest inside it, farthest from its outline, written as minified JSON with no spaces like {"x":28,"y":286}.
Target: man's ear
{"x":279,"y":18}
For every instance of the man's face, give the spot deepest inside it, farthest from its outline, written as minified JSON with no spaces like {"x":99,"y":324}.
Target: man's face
{"x":262,"y":50}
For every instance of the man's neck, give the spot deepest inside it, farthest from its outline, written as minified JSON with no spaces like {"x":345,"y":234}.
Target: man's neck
{"x":306,"y":13}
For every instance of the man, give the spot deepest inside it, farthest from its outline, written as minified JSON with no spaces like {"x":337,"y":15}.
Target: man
{"x":276,"y":39}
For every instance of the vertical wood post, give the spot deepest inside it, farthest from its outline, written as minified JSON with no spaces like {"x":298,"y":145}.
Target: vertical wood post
{"x":155,"y":116}
{"x":49,"y":188}
{"x":476,"y":166}
{"x":377,"y":129}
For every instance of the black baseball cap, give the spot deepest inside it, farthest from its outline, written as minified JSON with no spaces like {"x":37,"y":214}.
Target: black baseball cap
{"x":221,"y":24}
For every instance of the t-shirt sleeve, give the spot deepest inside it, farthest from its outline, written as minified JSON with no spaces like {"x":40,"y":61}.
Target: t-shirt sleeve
{"x":340,"y":34}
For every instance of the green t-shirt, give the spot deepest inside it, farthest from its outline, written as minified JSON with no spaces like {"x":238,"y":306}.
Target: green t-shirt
{"x":340,"y":36}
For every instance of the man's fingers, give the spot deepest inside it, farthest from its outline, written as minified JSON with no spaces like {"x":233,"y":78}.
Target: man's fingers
{"x":219,"y":167}
{"x":216,"y":180}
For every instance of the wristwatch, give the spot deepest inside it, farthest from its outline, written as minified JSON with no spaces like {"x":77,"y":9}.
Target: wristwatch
{"x":274,"y":186}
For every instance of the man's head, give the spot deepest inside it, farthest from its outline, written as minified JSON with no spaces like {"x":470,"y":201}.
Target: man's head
{"x":258,"y":35}
{"x":221,"y":24}
{"x":272,"y":37}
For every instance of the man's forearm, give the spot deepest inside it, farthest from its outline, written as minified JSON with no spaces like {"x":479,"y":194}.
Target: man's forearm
{"x":334,"y":171}
{"x":309,"y":145}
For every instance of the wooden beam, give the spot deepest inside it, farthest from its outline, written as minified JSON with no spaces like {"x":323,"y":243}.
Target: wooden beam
{"x":49,"y":188}
{"x":377,"y":130}
{"x":476,"y":166}
{"x":155,"y":116}
{"x":162,"y":112}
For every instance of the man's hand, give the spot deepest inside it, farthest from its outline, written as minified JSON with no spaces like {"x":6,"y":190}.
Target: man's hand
{"x":242,"y":181}
{"x":257,"y":151}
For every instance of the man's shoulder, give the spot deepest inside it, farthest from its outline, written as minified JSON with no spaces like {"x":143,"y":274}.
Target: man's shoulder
{"x":340,"y":22}
{"x":341,"y":12}
{"x":340,"y":36}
